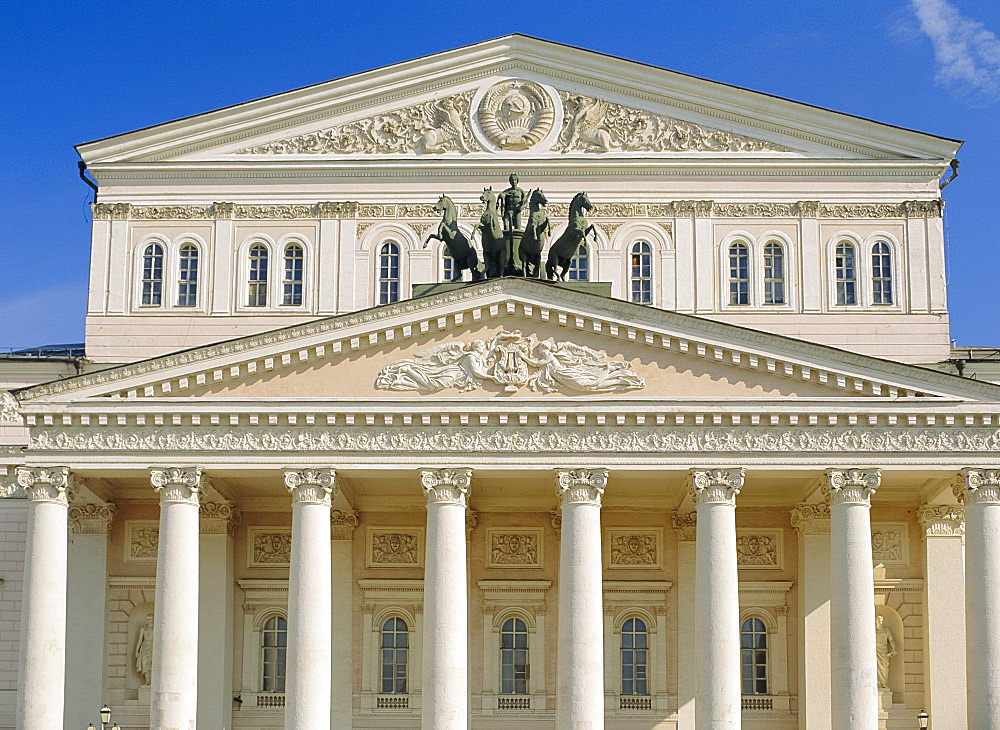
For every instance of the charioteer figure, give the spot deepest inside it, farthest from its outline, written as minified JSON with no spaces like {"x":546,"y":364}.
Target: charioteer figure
{"x":512,"y":201}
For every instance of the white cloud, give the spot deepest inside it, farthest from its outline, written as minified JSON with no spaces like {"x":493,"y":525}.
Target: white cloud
{"x":967,"y":52}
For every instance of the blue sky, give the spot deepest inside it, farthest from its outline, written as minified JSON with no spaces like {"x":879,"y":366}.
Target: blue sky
{"x":73,"y":72}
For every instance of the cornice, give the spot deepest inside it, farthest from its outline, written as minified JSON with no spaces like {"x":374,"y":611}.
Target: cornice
{"x":845,"y":373}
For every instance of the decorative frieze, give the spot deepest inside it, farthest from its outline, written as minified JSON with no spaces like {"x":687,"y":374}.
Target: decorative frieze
{"x":177,"y":483}
{"x":634,"y":547}
{"x":313,"y":486}
{"x":715,"y":486}
{"x":890,"y":543}
{"x":851,"y":486}
{"x":685,"y":525}
{"x":759,"y":549}
{"x":942,"y":520}
{"x":811,"y":519}
{"x":172,"y":212}
{"x":755,"y":210}
{"x":581,"y":485}
{"x":863,"y":210}
{"x":976,"y":486}
{"x":46,"y":484}
{"x":269,"y":547}
{"x":110,"y":211}
{"x":91,"y":519}
{"x":514,"y":548}
{"x":395,"y":547}
{"x":449,"y":486}
{"x":218,"y":518}
{"x":9,"y":412}
{"x":343,"y":524}
{"x":142,"y":538}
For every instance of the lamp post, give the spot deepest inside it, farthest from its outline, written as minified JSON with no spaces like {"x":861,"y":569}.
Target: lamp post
{"x":105,"y":719}
{"x":922,"y":719}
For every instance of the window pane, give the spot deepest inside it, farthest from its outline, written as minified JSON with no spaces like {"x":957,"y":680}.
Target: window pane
{"x":388,"y":268}
{"x":845,"y":273}
{"x":187,"y":280}
{"x":292,"y":282}
{"x":774,"y":274}
{"x":257,"y":284}
{"x":579,"y":265}
{"x":152,"y":275}
{"x":641,"y":278}
{"x":739,"y":274}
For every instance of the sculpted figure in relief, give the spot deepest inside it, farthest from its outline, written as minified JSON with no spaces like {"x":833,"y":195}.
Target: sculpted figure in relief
{"x":144,"y":649}
{"x":885,"y":649}
{"x":579,"y":368}
{"x":445,"y":366}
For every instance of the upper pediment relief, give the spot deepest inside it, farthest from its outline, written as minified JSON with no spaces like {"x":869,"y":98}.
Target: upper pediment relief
{"x":511,"y":116}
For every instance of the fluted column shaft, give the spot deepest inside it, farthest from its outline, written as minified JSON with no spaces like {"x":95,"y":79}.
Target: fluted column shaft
{"x":445,"y":678}
{"x":852,"y":600}
{"x":43,"y":605}
{"x":308,"y":662}
{"x":717,"y":599}
{"x":979,"y":489}
{"x":173,"y":699}
{"x":580,"y":647}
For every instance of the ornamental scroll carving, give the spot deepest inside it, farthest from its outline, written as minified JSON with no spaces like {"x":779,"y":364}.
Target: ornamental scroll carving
{"x":758,"y":549}
{"x":515,"y":549}
{"x":509,"y":359}
{"x":633,"y":549}
{"x":715,"y":486}
{"x":811,"y":519}
{"x":431,"y":127}
{"x":851,"y":486}
{"x":942,"y":520}
{"x":389,"y":548}
{"x":977,"y":486}
{"x":597,"y":125}
{"x":46,"y":484}
{"x":91,"y":519}
{"x":516,"y":114}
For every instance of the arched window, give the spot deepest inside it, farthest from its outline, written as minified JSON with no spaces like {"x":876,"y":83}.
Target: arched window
{"x":739,"y":273}
{"x":642,"y":273}
{"x":881,"y":273}
{"x":292,"y":282}
{"x":257,"y":285}
{"x":774,"y":273}
{"x":579,"y":265}
{"x":274,"y":640}
{"x":846,"y":274}
{"x":395,"y":643}
{"x":187,"y":276}
{"x":388,"y":273}
{"x":635,"y":656}
{"x":152,"y":275}
{"x":753,"y":656}
{"x":447,"y":265}
{"x":513,"y":657}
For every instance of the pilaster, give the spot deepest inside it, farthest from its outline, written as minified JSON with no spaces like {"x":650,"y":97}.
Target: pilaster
{"x":685,"y":657}
{"x":215,"y":613}
{"x":342,"y":526}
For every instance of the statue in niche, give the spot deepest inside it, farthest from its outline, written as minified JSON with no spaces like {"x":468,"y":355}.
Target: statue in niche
{"x":144,"y":650}
{"x":885,"y":649}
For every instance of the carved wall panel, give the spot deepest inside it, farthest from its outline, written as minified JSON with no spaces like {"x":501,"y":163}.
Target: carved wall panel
{"x":142,"y":537}
{"x":759,"y":549}
{"x":635,"y":547}
{"x":395,"y":547}
{"x":890,"y":543}
{"x":514,"y":548}
{"x":269,"y":547}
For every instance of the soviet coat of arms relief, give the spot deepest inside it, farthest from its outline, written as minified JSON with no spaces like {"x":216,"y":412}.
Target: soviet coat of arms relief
{"x":512,"y":361}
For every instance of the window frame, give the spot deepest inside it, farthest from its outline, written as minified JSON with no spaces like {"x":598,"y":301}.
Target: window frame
{"x":651,"y":278}
{"x":889,"y":276}
{"x":511,"y":652}
{"x":144,"y":253}
{"x":634,"y":664}
{"x":262,"y":654}
{"x":766,"y":633}
{"x":855,"y":279}
{"x":743,"y":285}
{"x":575,"y":261}
{"x":379,"y":279}
{"x":407,"y":630}
{"x":287,"y":282}
{"x":183,"y":284}
{"x":765,"y":279}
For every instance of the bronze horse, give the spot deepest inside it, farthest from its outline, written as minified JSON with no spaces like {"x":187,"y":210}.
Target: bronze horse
{"x":536,"y":231}
{"x":566,"y":246}
{"x":491,"y":233}
{"x":461,"y":252}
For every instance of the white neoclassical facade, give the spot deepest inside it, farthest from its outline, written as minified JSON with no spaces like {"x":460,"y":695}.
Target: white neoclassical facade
{"x":716,"y":479}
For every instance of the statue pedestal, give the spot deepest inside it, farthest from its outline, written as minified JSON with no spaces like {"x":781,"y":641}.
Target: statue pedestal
{"x":884,"y":698}
{"x":599,"y":288}
{"x":143,"y":698}
{"x":513,"y":256}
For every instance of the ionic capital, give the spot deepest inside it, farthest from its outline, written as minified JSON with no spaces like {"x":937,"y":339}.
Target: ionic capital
{"x":851,"y":486}
{"x":311,"y":486}
{"x":46,"y":484}
{"x":91,"y":519}
{"x":218,"y":518}
{"x":715,"y":486}
{"x":978,"y":486}
{"x":343,"y":524}
{"x":811,"y":519}
{"x":685,"y":525}
{"x":942,"y":520}
{"x":446,"y":486}
{"x":581,"y":486}
{"x":177,"y":483}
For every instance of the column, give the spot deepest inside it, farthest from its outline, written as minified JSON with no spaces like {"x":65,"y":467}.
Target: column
{"x":854,"y":679}
{"x":687,"y":660}
{"x":87,"y":610}
{"x":979,"y":489}
{"x":215,"y":614}
{"x":43,"y":606}
{"x":308,"y":662}
{"x":812,"y":522}
{"x":945,"y":684}
{"x":173,"y":700}
{"x":445,"y":691}
{"x":580,"y":643}
{"x":342,"y":526}
{"x":717,"y":599}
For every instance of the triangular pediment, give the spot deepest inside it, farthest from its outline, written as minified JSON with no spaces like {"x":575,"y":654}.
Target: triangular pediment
{"x":517,"y":97}
{"x":512,"y":339}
